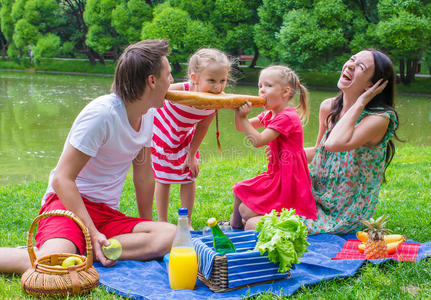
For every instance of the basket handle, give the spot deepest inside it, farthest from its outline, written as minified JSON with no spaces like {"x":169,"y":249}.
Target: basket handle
{"x":64,"y":213}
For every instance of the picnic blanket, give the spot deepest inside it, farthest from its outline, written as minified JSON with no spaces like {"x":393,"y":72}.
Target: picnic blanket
{"x":406,"y":252}
{"x":149,"y":280}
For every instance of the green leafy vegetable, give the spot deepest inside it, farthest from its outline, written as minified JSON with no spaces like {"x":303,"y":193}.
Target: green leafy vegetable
{"x":283,"y":237}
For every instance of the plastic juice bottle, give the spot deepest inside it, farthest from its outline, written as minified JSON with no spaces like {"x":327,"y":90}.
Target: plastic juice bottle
{"x":183,"y":263}
{"x":222,"y":244}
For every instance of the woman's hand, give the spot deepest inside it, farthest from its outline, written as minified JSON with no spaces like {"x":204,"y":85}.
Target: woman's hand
{"x":192,"y":164}
{"x":243,"y":110}
{"x":373,"y":91}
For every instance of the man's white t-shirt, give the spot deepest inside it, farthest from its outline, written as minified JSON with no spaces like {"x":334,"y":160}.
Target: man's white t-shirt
{"x":102,"y":131}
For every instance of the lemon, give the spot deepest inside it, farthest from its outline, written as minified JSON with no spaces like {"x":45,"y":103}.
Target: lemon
{"x":113,"y":251}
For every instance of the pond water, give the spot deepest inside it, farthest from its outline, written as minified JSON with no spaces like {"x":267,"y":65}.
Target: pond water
{"x":37,"y":110}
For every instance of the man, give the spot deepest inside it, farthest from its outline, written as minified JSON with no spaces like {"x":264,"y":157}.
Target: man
{"x":109,"y":134}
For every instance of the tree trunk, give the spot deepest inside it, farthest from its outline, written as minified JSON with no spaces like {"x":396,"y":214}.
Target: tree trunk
{"x":402,"y":77}
{"x":98,"y":56}
{"x":4,"y":46}
{"x":177,"y":67}
{"x":412,"y":65}
{"x":255,"y":57}
{"x":90,"y":56}
{"x":116,"y":51}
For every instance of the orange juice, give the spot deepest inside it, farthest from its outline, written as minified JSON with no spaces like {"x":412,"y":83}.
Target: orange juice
{"x":183,"y":268}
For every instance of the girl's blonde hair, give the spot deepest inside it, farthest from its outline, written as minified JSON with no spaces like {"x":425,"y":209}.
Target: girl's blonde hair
{"x":206,"y":56}
{"x":288,"y":78}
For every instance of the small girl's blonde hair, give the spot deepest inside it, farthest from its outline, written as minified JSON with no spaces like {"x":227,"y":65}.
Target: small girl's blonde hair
{"x":206,"y":56}
{"x":287,"y":77}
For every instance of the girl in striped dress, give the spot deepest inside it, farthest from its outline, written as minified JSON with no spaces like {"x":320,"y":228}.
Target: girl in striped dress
{"x":180,"y":129}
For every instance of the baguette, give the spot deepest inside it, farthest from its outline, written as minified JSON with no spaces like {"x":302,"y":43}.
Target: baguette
{"x":213,"y":101}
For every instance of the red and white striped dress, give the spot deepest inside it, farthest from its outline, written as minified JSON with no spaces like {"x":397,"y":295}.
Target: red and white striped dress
{"x":173,"y":130}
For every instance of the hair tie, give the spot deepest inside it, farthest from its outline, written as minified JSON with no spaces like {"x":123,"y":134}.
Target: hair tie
{"x":299,"y":83}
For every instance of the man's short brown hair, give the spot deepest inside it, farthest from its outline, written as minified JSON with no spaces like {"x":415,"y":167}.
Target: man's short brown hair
{"x":135,"y":64}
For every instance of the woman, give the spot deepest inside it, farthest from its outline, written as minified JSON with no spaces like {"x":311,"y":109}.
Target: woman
{"x":353,"y":147}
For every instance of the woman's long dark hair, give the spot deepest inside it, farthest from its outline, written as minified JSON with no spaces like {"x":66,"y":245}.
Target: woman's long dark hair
{"x":383,"y":68}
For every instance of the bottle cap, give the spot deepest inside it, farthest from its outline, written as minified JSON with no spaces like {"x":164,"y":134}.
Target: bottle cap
{"x":212,"y":222}
{"x":183,"y":211}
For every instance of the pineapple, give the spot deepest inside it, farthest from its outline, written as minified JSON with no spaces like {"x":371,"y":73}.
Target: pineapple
{"x":375,"y":246}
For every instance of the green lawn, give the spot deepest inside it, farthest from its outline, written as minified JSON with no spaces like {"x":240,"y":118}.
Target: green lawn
{"x":405,"y":198}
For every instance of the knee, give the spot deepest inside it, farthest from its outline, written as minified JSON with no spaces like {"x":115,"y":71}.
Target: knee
{"x":251,"y":223}
{"x":57,"y":245}
{"x":245,"y":212}
{"x":166,"y":234}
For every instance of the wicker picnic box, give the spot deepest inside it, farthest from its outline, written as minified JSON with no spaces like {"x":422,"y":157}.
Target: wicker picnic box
{"x":246,"y":267}
{"x":48,"y":278}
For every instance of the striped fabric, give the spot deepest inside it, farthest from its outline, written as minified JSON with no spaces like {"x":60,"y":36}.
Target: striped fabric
{"x":246,"y":266}
{"x":174,"y":126}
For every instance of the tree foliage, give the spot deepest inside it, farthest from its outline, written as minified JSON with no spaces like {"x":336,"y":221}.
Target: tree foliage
{"x":101,"y":36}
{"x":302,"y":33}
{"x":404,"y":30}
{"x":127,"y":18}
{"x":312,"y":37}
{"x":46,"y":46}
{"x":184,"y":34}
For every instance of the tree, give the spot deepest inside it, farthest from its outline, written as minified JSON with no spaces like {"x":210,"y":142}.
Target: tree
{"x":6,"y":25}
{"x":33,"y":19}
{"x":197,"y":9}
{"x":25,"y":35}
{"x":4,"y":44}
{"x":233,"y":21}
{"x":314,"y":37}
{"x":75,"y":29}
{"x":404,"y":31}
{"x":271,"y":14}
{"x":170,"y":23}
{"x":101,"y":36}
{"x":46,"y":46}
{"x":184,"y":34}
{"x":127,"y":18}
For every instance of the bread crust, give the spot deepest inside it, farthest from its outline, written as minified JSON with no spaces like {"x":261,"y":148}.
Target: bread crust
{"x":212,"y":101}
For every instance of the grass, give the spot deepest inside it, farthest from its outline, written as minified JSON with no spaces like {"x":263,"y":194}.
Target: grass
{"x":312,"y":79}
{"x":80,"y":66}
{"x":406,"y":197}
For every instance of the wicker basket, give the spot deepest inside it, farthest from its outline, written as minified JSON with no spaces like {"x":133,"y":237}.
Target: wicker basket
{"x":45,"y":278}
{"x":244,"y":268}
{"x":218,"y":281}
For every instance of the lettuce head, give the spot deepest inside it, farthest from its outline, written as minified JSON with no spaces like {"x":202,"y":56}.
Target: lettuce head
{"x":283,"y":237}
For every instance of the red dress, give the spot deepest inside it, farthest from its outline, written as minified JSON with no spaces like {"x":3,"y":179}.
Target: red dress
{"x":286,"y":183}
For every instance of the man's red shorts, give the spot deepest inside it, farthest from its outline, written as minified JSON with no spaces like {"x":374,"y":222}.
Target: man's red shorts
{"x":108,"y":221}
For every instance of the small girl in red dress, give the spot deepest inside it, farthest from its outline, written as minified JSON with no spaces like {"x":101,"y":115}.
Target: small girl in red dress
{"x":286,"y":183}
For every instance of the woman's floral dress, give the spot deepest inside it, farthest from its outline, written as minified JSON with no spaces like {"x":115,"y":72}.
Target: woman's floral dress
{"x":346,"y":185}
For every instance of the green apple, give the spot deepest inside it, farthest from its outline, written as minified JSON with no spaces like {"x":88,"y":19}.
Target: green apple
{"x":70,"y":261}
{"x":113,"y":251}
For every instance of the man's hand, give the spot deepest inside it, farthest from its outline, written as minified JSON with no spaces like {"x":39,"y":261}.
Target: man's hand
{"x":98,"y":240}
